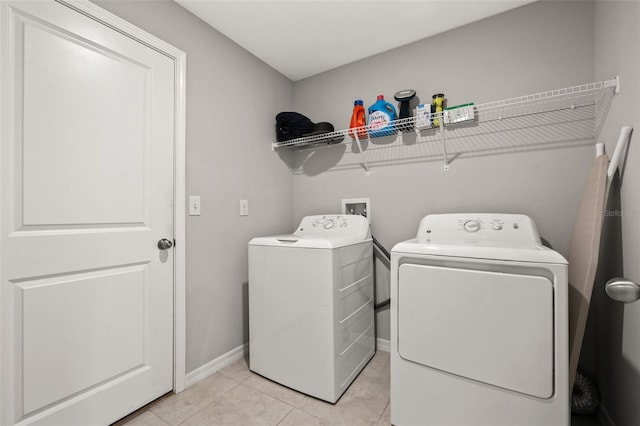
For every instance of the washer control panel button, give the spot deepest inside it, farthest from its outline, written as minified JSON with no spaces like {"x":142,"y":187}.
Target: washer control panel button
{"x":496,"y":225}
{"x":472,"y":226}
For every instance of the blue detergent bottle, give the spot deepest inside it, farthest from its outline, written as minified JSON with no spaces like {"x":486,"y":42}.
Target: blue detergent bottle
{"x":381,"y":117}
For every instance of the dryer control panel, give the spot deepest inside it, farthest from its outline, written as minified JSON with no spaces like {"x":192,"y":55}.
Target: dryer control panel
{"x":478,"y":227}
{"x":335,"y":225}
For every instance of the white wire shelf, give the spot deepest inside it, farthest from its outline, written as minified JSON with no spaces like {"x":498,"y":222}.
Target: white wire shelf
{"x":584,"y":106}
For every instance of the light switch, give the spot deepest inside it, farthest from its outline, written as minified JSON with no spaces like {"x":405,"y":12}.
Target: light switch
{"x":244,"y":207}
{"x":194,"y":205}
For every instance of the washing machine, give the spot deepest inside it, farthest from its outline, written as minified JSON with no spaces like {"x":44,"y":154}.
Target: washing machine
{"x":479,"y":317}
{"x":311,"y":305}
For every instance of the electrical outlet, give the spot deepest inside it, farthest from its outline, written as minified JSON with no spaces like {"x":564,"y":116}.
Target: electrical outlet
{"x":194,"y":205}
{"x":244,"y":207}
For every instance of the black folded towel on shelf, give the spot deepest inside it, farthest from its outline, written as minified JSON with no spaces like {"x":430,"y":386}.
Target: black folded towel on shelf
{"x":293,"y":125}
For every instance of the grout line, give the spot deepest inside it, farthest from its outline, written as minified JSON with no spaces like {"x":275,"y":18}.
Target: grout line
{"x":213,"y":402}
{"x":383,"y":411}
{"x":273,"y":396}
{"x":292,"y":406}
{"x":140,"y":411}
{"x":287,"y":415}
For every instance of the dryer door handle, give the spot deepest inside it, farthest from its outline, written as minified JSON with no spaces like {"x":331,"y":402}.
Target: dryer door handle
{"x":622,"y":290}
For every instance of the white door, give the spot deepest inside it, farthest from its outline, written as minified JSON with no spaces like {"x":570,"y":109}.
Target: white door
{"x":86,"y":193}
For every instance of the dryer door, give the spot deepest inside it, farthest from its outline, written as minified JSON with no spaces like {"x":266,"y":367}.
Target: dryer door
{"x":496,"y":328}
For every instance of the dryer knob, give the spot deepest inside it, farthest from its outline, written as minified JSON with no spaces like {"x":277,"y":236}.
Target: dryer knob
{"x":472,"y":226}
{"x":328,"y":224}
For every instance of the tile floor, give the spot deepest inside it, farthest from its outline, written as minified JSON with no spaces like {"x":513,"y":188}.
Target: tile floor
{"x":236,"y":396}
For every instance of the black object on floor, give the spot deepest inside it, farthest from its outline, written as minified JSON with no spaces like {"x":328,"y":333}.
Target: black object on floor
{"x":585,"y":398}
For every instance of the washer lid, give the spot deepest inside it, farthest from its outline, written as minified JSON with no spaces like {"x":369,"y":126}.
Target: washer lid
{"x":323,"y":232}
{"x":310,"y":241}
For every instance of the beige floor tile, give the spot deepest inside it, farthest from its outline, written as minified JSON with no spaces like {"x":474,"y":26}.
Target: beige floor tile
{"x":373,"y":384}
{"x":385,"y":420}
{"x":221,"y":399}
{"x":345,"y":412}
{"x":364,"y":401}
{"x":238,"y":370}
{"x":378,"y":367}
{"x":177,"y":408}
{"x":382,"y":358}
{"x":369,"y":390}
{"x":242,"y":405}
{"x":145,"y":418}
{"x":275,"y":390}
{"x":300,"y":418}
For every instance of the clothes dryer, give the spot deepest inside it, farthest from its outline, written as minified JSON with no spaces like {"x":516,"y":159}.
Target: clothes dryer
{"x":478,"y":324}
{"x":311,"y":319}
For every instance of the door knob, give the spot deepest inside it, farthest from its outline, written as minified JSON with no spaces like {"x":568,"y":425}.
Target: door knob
{"x":622,"y":290}
{"x":164,"y":244}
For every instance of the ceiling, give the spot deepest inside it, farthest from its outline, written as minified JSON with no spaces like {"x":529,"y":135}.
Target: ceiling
{"x":301,"y":38}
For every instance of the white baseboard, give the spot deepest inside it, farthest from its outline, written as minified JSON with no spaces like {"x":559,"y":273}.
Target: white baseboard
{"x":219,"y":363}
{"x":604,"y":417}
{"x":383,"y":345}
{"x":235,"y":354}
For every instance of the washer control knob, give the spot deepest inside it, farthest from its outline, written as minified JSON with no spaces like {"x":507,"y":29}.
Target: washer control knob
{"x":496,"y":226}
{"x":328,"y":224}
{"x":472,"y":226}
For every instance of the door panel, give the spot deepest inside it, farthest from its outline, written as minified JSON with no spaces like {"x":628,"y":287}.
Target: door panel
{"x":493,"y":327}
{"x":86,"y":192}
{"x":94,"y":174}
{"x":78,"y":352}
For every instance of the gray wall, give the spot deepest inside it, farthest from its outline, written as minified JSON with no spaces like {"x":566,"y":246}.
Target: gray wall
{"x":232,"y":98}
{"x":617,"y":341}
{"x":535,"y":48}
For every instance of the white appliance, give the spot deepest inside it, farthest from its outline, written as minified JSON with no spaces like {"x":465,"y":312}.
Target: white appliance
{"x":311,"y":319}
{"x":478,"y":324}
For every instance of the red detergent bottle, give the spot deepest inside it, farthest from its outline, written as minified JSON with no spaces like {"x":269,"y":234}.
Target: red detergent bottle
{"x":358,"y":120}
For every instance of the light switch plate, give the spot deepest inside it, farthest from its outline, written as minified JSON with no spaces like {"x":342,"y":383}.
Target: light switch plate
{"x":244,"y":207}
{"x":194,"y":205}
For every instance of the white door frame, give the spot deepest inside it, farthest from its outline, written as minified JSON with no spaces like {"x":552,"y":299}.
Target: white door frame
{"x":179,"y":57}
